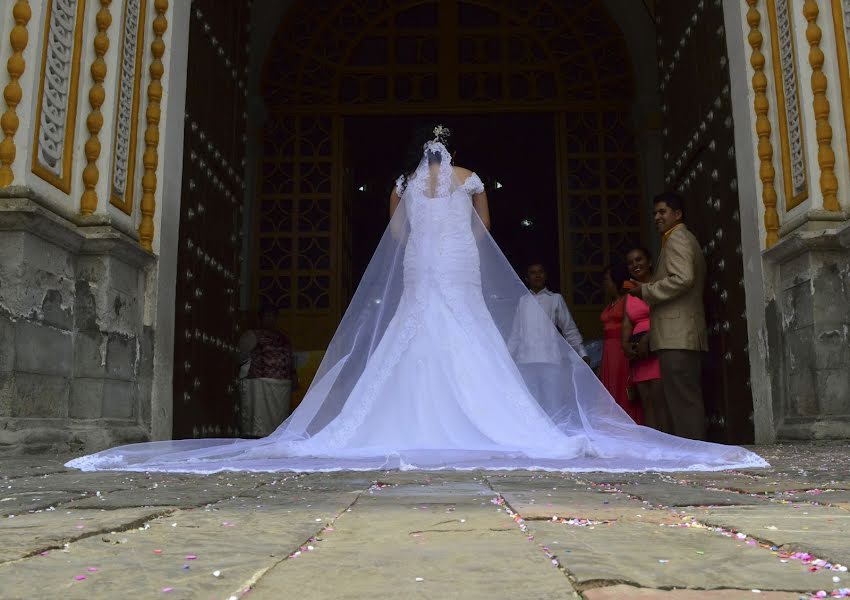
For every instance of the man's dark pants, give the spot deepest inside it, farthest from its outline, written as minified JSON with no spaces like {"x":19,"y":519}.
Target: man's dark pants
{"x":681,"y":377}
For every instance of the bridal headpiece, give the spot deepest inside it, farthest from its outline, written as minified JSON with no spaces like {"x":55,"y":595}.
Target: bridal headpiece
{"x":441,"y":134}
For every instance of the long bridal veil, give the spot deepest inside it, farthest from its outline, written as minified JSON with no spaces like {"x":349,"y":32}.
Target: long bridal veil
{"x":560,"y":381}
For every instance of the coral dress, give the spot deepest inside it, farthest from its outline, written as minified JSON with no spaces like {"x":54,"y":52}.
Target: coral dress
{"x":642,"y":369}
{"x":614,"y":372}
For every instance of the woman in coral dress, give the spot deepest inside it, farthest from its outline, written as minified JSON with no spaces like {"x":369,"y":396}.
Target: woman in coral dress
{"x":614,"y":371}
{"x":644,"y":365}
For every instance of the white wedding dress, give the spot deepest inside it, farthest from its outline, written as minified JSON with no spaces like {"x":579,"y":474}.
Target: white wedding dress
{"x":419,"y":375}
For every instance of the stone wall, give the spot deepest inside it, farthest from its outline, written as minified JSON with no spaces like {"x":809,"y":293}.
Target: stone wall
{"x":813,"y":304}
{"x":76,"y":361}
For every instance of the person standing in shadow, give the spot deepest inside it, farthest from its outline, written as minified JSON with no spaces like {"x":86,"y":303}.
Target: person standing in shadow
{"x":678,"y":332}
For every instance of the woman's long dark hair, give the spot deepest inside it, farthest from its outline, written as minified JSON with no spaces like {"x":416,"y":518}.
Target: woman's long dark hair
{"x":422,"y":135}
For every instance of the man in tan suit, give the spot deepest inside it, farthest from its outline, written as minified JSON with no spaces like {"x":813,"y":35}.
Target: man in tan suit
{"x":678,"y":332}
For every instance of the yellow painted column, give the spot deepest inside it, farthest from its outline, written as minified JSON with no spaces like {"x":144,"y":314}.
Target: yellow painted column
{"x":823,"y":130}
{"x":12,"y":93}
{"x":91,"y":175}
{"x":152,"y":115}
{"x":761,"y":106}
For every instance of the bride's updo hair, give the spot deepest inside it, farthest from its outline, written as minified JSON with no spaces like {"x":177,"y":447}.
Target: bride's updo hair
{"x":422,"y":135}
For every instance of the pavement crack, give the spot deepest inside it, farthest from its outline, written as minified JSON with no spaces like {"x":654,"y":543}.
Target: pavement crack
{"x":129,"y":525}
{"x":252,"y":581}
{"x":421,"y":531}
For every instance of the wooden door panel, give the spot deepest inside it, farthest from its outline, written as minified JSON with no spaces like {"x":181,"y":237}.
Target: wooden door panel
{"x":211,"y":200}
{"x":699,"y":162}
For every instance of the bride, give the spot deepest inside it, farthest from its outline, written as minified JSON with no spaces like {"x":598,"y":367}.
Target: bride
{"x":419,"y":374}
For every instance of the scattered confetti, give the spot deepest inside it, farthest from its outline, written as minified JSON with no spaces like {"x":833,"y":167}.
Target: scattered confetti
{"x":420,"y":579}
{"x":80,"y":577}
{"x":167,"y":589}
{"x":191,"y":557}
{"x":216,"y":573}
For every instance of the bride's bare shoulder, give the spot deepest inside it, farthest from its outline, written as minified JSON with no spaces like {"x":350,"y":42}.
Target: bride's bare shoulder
{"x":461,"y":173}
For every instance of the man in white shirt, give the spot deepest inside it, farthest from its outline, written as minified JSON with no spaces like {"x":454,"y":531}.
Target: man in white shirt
{"x":534,"y":343}
{"x":531,"y":341}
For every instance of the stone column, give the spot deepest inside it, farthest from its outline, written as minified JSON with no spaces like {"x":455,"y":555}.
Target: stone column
{"x":76,"y":353}
{"x":792,"y":138}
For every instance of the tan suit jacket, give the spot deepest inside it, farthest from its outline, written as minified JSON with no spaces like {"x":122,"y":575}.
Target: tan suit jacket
{"x":675,"y":295}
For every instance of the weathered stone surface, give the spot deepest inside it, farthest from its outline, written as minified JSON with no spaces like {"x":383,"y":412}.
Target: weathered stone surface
{"x":411,"y":550}
{"x":650,"y":555}
{"x":7,"y":344}
{"x":618,"y":592}
{"x":73,"y":299}
{"x":820,"y":530}
{"x":43,"y":349}
{"x":57,"y":311}
{"x":387,"y":529}
{"x":38,"y":395}
{"x":121,"y":356}
{"x":90,"y":354}
{"x":119,"y":399}
{"x":29,"y":534}
{"x":670,"y":494}
{"x":86,"y":398}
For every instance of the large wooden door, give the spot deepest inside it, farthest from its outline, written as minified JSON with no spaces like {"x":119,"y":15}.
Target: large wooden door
{"x":699,"y":162}
{"x":205,"y":360}
{"x":450,"y":58}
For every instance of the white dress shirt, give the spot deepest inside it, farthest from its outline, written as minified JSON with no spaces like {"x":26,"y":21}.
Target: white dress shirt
{"x":532,"y":337}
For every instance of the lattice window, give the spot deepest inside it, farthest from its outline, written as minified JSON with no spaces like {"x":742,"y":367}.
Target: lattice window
{"x":341,"y":57}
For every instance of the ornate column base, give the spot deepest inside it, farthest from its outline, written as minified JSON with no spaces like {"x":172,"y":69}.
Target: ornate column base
{"x":76,"y":359}
{"x":813,"y":333}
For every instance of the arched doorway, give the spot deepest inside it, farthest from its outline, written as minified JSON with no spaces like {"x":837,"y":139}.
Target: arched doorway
{"x":335,"y":65}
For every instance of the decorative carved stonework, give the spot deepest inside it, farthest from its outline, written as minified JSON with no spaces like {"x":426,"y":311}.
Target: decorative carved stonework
{"x":57,"y":99}
{"x":841,"y":23}
{"x":788,"y":100}
{"x":126,"y":119}
{"x":19,"y":37}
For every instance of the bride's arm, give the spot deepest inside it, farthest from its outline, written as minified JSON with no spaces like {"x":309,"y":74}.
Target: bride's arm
{"x":394,"y":200}
{"x":479,"y":202}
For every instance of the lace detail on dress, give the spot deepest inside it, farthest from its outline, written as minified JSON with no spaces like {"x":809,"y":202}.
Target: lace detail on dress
{"x":422,"y":180}
{"x":340,"y":431}
{"x":473,"y":185}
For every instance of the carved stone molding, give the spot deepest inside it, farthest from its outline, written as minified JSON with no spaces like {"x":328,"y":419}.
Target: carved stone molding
{"x":841,"y":22}
{"x":151,"y":156}
{"x":761,"y":106}
{"x":12,"y":93}
{"x":823,"y":130}
{"x":788,"y":102}
{"x":94,"y":123}
{"x":58,"y":91}
{"x":129,"y":95}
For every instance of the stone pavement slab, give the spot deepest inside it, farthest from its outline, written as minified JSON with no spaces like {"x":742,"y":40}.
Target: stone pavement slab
{"x":29,"y":534}
{"x":15,"y":503}
{"x":414,"y":542}
{"x":618,"y":592}
{"x":182,"y":551}
{"x":671,"y":494}
{"x":579,"y":503}
{"x":820,"y":530}
{"x":653,"y":556}
{"x":386,"y":529}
